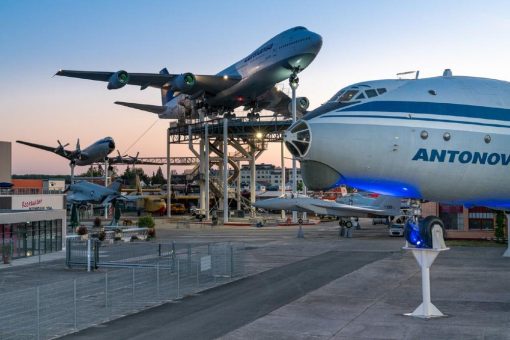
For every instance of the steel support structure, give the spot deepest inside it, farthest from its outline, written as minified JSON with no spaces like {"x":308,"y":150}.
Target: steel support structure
{"x":283,"y":176}
{"x":168,"y":177}
{"x":207,"y":172}
{"x":294,"y":85}
{"x":225,"y":170}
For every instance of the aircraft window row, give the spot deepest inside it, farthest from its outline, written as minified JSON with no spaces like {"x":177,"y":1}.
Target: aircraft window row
{"x":294,"y":42}
{"x":347,"y":95}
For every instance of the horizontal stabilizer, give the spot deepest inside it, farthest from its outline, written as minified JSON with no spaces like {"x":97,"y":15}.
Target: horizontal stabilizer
{"x":145,"y":107}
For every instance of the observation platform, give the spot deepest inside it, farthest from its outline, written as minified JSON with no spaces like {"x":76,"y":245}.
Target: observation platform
{"x":239,"y":128}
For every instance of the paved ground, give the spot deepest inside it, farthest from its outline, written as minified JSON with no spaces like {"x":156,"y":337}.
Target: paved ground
{"x":221,"y":310}
{"x":323,"y":287}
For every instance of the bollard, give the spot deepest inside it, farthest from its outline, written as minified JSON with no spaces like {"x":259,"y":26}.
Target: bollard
{"x":88,"y":255}
{"x":300,"y":233}
{"x":173,"y":255}
{"x":159,"y":249}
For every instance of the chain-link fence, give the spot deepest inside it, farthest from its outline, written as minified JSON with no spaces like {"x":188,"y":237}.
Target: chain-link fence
{"x":174,"y":271}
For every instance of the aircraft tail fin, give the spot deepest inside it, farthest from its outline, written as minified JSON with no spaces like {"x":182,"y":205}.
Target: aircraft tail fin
{"x":115,"y":186}
{"x":388,"y":203}
{"x":166,"y":93}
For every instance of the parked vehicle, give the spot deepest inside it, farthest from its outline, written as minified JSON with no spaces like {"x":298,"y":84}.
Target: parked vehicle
{"x":396,"y":229}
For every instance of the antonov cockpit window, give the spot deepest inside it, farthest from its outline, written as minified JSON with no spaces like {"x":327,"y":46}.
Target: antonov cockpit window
{"x":361,"y":96}
{"x":336,"y":96}
{"x":381,"y":91}
{"x":347,"y":95}
{"x":371,"y":93}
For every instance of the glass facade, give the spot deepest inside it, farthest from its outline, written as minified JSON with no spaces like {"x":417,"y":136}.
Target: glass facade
{"x":32,"y":238}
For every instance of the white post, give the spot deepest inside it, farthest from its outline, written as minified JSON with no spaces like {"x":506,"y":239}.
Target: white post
{"x":72,"y":173}
{"x":253,"y":184}
{"x":207,"y":167}
{"x":425,"y":258}
{"x":89,"y":255}
{"x":225,"y":170}
{"x":106,"y":185}
{"x":283,"y":179}
{"x":168,"y":176}
{"x":238,"y":186}
{"x":507,"y":252}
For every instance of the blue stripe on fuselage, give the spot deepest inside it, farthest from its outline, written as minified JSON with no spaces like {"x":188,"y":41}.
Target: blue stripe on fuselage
{"x":441,"y":109}
{"x":418,"y":118}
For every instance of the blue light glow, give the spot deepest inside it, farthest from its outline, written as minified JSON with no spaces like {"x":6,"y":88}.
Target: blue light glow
{"x":412,"y":234}
{"x":382,"y":186}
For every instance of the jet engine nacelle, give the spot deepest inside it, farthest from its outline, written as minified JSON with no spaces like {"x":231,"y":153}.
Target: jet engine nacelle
{"x":117,"y":80}
{"x":184,"y":82}
{"x":302,"y":104}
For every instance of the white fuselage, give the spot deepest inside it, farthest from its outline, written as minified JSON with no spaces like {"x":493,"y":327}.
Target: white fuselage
{"x":441,"y":139}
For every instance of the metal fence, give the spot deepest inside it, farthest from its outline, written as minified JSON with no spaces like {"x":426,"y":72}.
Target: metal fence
{"x":110,"y":292}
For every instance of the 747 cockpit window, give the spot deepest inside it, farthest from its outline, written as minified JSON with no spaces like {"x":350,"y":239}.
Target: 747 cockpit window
{"x":348,"y":95}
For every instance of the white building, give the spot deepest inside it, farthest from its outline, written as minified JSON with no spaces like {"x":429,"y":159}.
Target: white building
{"x":267,"y":174}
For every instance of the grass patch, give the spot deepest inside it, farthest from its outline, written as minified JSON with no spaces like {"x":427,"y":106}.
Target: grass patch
{"x":474,"y":243}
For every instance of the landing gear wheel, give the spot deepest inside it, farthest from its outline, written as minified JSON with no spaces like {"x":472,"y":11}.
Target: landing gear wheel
{"x":300,"y":221}
{"x":425,"y":227}
{"x":348,"y":224}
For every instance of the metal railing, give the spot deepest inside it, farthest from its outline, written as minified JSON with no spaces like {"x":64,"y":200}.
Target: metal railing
{"x":29,"y":191}
{"x":128,"y":285}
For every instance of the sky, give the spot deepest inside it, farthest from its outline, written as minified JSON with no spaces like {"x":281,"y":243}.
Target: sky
{"x":362,"y":40}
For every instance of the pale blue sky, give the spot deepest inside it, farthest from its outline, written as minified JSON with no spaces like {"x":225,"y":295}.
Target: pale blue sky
{"x":362,"y":40}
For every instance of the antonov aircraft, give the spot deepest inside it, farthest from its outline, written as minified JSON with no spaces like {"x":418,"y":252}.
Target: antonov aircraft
{"x":381,"y":206}
{"x":249,"y":82}
{"x":442,"y":139}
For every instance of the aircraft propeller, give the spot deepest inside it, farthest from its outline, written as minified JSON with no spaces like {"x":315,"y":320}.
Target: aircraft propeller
{"x":61,"y":148}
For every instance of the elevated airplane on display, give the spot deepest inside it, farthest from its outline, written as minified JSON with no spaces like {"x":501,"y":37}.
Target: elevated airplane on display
{"x":95,"y":153}
{"x":381,"y":206}
{"x":249,"y":82}
{"x":442,"y":139}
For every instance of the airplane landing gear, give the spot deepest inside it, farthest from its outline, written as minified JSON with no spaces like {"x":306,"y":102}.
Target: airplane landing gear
{"x":425,"y":233}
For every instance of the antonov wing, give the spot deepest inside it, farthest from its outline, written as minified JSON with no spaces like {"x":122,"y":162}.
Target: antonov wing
{"x":56,"y":150}
{"x":185,"y":83}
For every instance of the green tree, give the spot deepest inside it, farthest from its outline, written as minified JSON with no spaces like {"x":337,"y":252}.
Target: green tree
{"x":158,"y":178}
{"x":499,"y":231}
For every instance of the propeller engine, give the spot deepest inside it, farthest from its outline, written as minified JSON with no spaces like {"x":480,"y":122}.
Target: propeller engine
{"x":117,"y":80}
{"x":61,"y":148}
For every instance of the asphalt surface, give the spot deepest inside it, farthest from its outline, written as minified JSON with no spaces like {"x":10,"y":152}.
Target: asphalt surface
{"x":223,"y":309}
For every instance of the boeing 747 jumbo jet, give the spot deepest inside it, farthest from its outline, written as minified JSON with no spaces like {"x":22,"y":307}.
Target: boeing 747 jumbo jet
{"x":250,"y":82}
{"x":442,"y":139}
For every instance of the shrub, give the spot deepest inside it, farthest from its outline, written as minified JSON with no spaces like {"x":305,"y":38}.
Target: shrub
{"x":97,"y":222}
{"x":146,"y":222}
{"x":101,"y":235}
{"x":82,"y":230}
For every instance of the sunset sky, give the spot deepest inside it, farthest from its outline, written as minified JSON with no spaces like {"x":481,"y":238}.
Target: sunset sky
{"x":362,"y":40}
